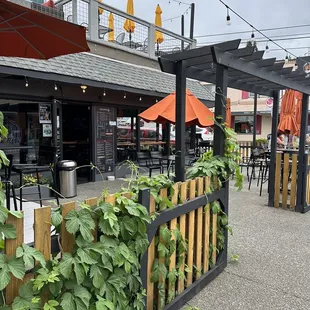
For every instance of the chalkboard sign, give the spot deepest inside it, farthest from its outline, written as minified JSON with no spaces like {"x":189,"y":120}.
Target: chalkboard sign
{"x":105,"y":118}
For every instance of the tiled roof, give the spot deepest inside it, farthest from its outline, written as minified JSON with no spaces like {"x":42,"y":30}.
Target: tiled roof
{"x":105,"y":70}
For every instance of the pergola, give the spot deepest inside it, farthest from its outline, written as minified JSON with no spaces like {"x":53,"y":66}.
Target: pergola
{"x":227,"y":65}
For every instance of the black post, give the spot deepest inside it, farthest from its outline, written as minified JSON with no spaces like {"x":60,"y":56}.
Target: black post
{"x":302,"y":163}
{"x":157,"y":132}
{"x":132,"y":128}
{"x":220,"y":109}
{"x":144,"y":200}
{"x":193,"y":137}
{"x":168,"y":130}
{"x":191,"y":30}
{"x":255,"y":121}
{"x":182,"y":32}
{"x":274,"y":131}
{"x":138,"y":135}
{"x":180,"y":121}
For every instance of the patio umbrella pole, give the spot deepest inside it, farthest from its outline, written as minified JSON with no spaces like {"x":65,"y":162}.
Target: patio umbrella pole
{"x":180,"y":121}
{"x":255,"y":121}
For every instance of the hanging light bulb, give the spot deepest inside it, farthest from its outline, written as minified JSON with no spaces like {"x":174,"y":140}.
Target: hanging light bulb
{"x":84,"y":87}
{"x":125,"y":96}
{"x":253,"y":34}
{"x":140,"y":99}
{"x":267,"y":48}
{"x":228,"y":22}
{"x":104,"y":94}
{"x":156,"y":100}
{"x":286,"y":58}
{"x":55,"y":87}
{"x":26,"y":82}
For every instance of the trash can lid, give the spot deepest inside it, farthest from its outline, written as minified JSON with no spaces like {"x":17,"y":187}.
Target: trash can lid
{"x":67,"y":164}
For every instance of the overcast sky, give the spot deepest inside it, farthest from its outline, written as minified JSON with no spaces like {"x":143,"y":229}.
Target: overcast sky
{"x":211,"y":19}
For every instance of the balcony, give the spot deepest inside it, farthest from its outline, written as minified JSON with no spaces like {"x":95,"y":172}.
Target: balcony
{"x":94,"y":16}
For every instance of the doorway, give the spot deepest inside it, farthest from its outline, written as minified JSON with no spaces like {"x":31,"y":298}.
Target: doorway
{"x":76,"y":134}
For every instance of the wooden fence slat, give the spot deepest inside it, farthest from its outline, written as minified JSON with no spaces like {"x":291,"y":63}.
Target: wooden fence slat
{"x":206,"y":231}
{"x":42,"y":231}
{"x":199,"y":231}
{"x":183,"y":233}
{"x":214,"y":237}
{"x":293,"y":182}
{"x":151,"y":258}
{"x":93,"y":202}
{"x":110,"y":199}
{"x":277,"y":181}
{"x":11,"y":245}
{"x":308,"y":184}
{"x":191,"y":235}
{"x":285,"y":180}
{"x":162,"y":260}
{"x":173,"y":226}
{"x":67,"y":239}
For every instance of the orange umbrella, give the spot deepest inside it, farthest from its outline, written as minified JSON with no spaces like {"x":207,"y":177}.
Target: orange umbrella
{"x":287,"y":115}
{"x":228,"y":113}
{"x":298,"y":111}
{"x":196,"y":113}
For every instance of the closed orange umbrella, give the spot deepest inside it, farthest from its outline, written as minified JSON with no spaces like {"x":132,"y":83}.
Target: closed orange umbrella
{"x":298,"y":112}
{"x":228,"y":113}
{"x":196,"y":113}
{"x":159,"y":37}
{"x":287,"y":116}
{"x":111,"y":26}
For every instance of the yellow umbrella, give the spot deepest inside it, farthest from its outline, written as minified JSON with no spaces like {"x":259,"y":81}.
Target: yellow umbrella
{"x":159,"y":37}
{"x":129,"y":24}
{"x":100,"y":10}
{"x":111,"y":26}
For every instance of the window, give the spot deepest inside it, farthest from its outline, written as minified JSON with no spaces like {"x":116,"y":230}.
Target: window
{"x":244,"y":124}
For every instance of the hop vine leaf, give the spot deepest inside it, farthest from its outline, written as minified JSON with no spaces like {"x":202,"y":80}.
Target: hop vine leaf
{"x":27,"y":298}
{"x":51,"y":305}
{"x":29,"y":256}
{"x":70,"y":264}
{"x":103,"y":304}
{"x":81,"y":221}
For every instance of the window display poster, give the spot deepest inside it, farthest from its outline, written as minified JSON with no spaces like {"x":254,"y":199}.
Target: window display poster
{"x":45,"y":113}
{"x":47,"y":131}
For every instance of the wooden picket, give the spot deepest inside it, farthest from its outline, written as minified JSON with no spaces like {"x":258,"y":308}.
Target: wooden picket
{"x":285,"y":193}
{"x":198,"y":228}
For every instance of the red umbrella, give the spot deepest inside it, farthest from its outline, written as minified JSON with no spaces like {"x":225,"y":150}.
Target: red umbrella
{"x":196,"y":113}
{"x":30,"y":34}
{"x":49,"y":3}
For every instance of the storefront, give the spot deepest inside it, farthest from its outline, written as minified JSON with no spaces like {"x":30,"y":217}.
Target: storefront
{"x":76,"y":117}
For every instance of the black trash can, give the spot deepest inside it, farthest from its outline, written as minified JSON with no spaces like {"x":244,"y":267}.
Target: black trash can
{"x":67,"y":178}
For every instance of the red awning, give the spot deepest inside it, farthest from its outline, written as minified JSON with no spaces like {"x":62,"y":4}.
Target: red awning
{"x":30,"y":34}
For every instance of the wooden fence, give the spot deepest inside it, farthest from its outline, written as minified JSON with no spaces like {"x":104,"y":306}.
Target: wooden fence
{"x":286,"y":181}
{"x":193,"y":217}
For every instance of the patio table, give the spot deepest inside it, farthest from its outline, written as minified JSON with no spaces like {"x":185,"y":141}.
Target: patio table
{"x":131,"y":44}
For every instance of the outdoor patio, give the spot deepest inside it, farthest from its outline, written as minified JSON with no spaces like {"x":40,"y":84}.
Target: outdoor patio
{"x":271,"y":247}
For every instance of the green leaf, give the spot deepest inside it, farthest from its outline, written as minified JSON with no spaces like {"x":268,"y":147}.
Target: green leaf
{"x":65,"y":266}
{"x":67,"y":301}
{"x":4,"y":158}
{"x":30,"y":255}
{"x":27,"y":299}
{"x":3,"y":214}
{"x":56,"y":218}
{"x":97,"y":275}
{"x":81,"y":221}
{"x":83,"y":294}
{"x":51,"y":305}
{"x":103,"y":304}
{"x":8,"y":230}
{"x":17,"y":214}
{"x":5,"y":277}
{"x":85,"y":257}
{"x":106,"y":228}
{"x":16,"y":267}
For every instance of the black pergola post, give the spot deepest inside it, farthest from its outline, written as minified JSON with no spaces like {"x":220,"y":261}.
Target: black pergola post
{"x":193,"y":137}
{"x":138,"y":133}
{"x":132,"y":128}
{"x":220,"y":109}
{"x":274,"y":131}
{"x":255,"y":121}
{"x":302,"y":163}
{"x":180,"y":121}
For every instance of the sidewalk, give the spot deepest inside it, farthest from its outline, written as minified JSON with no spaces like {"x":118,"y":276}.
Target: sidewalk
{"x":273,"y":271}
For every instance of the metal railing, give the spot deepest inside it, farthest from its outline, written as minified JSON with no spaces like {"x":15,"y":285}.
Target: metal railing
{"x":96,"y":18}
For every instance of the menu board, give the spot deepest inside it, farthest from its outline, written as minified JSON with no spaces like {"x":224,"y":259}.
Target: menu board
{"x":105,"y":125}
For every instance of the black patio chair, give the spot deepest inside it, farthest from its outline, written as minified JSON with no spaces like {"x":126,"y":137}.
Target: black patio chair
{"x":9,"y":186}
{"x":256,"y":161}
{"x":145,"y":161}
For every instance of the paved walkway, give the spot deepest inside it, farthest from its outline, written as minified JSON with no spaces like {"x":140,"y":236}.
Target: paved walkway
{"x":273,"y":271}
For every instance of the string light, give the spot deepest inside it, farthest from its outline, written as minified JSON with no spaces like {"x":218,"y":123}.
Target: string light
{"x":179,"y":16}
{"x":104,"y":94}
{"x":125,"y":95}
{"x":140,"y":99}
{"x":286,"y":57}
{"x":156,"y":100}
{"x":260,"y":32}
{"x":26,"y":82}
{"x":84,"y":87}
{"x":55,"y":87}
{"x":267,"y":48}
{"x":228,"y":22}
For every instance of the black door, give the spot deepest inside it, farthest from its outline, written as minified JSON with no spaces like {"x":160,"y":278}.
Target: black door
{"x":76,"y":138}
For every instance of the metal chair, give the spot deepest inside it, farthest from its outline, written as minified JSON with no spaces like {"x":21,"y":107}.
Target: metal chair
{"x":9,"y":186}
{"x":119,"y":39}
{"x":144,"y":160}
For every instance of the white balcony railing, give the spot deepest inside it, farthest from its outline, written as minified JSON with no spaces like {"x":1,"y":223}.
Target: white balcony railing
{"x":142,"y":40}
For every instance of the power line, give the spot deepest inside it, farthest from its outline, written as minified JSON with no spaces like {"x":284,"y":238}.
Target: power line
{"x":180,"y":2}
{"x":249,"y":31}
{"x":179,"y":16}
{"x":259,"y":31}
